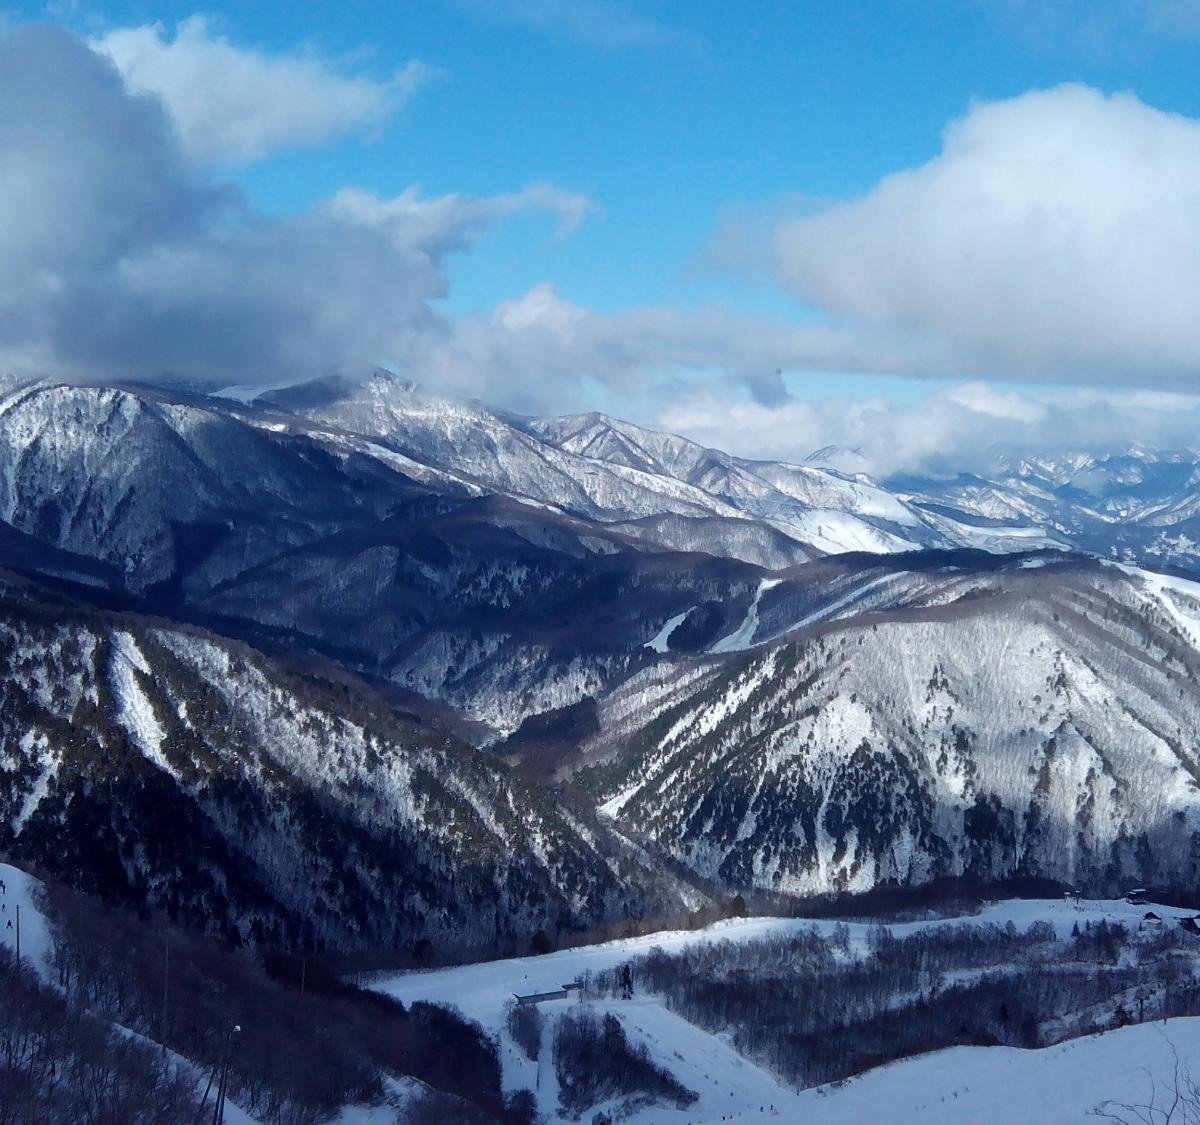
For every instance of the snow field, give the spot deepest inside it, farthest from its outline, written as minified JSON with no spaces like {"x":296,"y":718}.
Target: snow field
{"x":660,"y":639}
{"x":1003,"y":1085}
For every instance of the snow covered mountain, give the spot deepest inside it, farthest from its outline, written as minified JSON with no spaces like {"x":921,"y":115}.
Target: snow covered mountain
{"x":1136,"y":504}
{"x":831,"y":512}
{"x":441,"y":547}
{"x":1034,"y":721}
{"x":678,"y":638}
{"x":607,"y":470}
{"x":184,"y":492}
{"x":166,"y":766}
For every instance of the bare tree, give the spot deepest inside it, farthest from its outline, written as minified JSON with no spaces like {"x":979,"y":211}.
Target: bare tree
{"x":1177,"y":1102}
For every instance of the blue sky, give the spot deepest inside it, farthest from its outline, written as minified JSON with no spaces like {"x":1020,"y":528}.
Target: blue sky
{"x":739,"y":106}
{"x":716,"y":145}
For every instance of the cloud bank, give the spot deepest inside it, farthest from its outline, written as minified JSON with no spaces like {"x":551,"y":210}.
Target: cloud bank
{"x":1055,"y":239}
{"x":120,"y":257}
{"x":964,"y":428}
{"x":1056,"y":236}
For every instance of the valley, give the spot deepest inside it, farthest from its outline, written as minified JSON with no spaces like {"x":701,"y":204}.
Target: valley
{"x":352,"y":673}
{"x":599,"y":562}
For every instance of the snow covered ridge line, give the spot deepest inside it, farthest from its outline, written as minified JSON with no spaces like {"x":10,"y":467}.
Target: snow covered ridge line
{"x":1137,"y":505}
{"x":114,"y":452}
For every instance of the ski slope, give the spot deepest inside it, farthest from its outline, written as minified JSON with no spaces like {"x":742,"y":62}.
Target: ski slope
{"x":1002,"y":1085}
{"x":962,"y":1084}
{"x":743,"y":636}
{"x":661,"y":639}
{"x":20,"y":891}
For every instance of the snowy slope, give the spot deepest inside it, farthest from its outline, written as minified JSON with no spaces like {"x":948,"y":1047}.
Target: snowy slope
{"x":1036,"y":721}
{"x":1060,"y":1085}
{"x":731,"y":1087}
{"x":20,"y":890}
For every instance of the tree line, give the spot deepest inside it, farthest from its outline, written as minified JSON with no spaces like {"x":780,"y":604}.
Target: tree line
{"x":307,"y":1043}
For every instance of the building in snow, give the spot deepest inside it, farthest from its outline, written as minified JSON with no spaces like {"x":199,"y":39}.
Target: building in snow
{"x":539,"y":997}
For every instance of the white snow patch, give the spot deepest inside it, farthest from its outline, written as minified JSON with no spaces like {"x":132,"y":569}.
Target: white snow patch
{"x":134,"y":710}
{"x":743,"y":636}
{"x":659,"y":641}
{"x":1000,"y":1085}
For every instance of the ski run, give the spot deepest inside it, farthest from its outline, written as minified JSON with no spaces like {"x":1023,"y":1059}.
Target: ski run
{"x":989,"y":1085}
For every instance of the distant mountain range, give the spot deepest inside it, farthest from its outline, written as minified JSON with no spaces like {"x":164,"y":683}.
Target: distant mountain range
{"x":351,"y":663}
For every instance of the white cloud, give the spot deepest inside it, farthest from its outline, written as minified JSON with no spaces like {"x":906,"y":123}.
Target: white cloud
{"x":452,"y":221}
{"x":233,"y":104}
{"x":1056,"y":236}
{"x":534,"y":351}
{"x":962,"y":428}
{"x":119,"y":257}
{"x":597,"y":23}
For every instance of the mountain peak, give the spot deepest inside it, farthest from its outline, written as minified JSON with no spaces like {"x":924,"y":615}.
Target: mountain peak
{"x":841,"y":458}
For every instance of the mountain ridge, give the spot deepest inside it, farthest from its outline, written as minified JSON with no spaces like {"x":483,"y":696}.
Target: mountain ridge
{"x":625,"y":670}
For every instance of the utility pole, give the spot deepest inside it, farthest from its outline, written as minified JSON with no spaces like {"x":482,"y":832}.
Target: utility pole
{"x":166,"y":978}
{"x":18,"y":933}
{"x":223,"y":1088}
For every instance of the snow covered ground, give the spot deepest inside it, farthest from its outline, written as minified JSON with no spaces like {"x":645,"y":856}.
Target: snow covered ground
{"x":1059,"y":1084}
{"x":19,"y":891}
{"x":991,"y":1086}
{"x":1002,"y":1085}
